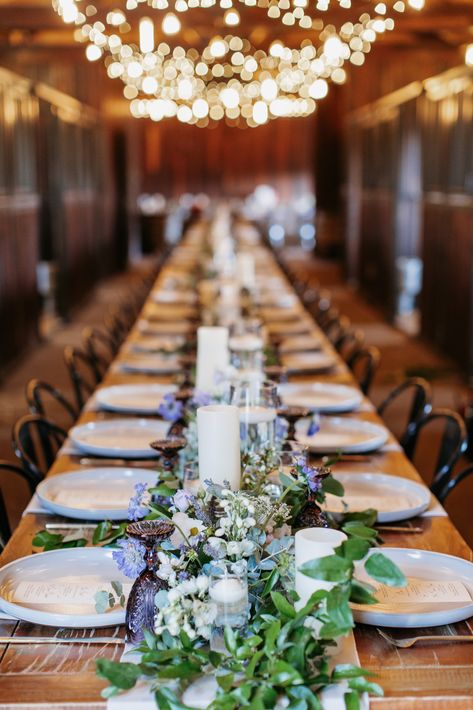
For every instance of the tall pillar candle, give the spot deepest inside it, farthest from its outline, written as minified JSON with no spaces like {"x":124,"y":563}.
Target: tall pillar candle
{"x":218,"y":435}
{"x":246,"y":269}
{"x":311,"y":544}
{"x":212,"y":356}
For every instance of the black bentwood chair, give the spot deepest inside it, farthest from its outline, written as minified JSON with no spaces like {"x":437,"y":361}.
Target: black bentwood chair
{"x":82,"y":372}
{"x":453,"y":443}
{"x":364,"y":364}
{"x":100,"y":347}
{"x":36,"y":442}
{"x":418,"y":393}
{"x":452,"y":483}
{"x":41,"y":398}
{"x":15,"y":470}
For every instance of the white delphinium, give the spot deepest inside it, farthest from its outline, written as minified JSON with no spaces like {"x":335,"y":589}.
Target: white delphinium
{"x":188,"y":609}
{"x":168,"y":567}
{"x":244,"y":523}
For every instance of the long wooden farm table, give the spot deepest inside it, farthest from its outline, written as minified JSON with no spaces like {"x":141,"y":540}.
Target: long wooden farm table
{"x":63,"y":676}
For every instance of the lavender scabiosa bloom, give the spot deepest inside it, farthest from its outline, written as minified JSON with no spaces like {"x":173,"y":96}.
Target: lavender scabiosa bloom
{"x":170,"y":408}
{"x":201,"y":399}
{"x":129,"y":557}
{"x":137,"y":508}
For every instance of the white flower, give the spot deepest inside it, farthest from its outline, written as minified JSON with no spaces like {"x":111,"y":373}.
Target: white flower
{"x":189,"y":526}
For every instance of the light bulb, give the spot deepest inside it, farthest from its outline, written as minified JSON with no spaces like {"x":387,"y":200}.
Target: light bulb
{"x":318,"y":89}
{"x":469,"y":55}
{"x":269,"y":89}
{"x":229,"y":97}
{"x":146,"y":29}
{"x":232,"y":17}
{"x":171,"y":24}
{"x":260,"y":112}
{"x":218,"y":48}
{"x":93,"y":52}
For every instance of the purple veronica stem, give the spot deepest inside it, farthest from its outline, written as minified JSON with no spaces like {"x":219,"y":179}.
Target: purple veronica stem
{"x":201,"y":399}
{"x":170,"y":409}
{"x":130,"y":557}
{"x":314,"y":426}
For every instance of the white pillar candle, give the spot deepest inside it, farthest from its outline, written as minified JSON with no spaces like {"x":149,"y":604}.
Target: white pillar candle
{"x":218,"y":434}
{"x":246,"y":269}
{"x":212,"y":356}
{"x":311,"y":544}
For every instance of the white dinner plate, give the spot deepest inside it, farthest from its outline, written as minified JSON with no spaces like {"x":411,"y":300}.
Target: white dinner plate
{"x":420,"y":565}
{"x":275,"y":300}
{"x":125,"y":438}
{"x":394,"y":498}
{"x":155,"y":328}
{"x":137,"y":399}
{"x":94,"y":493}
{"x":167,"y":312}
{"x":173,"y":297}
{"x":300,"y":343}
{"x":150,"y":364}
{"x":320,"y":396}
{"x":157,"y":343}
{"x":295,"y":327}
{"x":308,"y":362}
{"x":57,"y":588}
{"x":337,"y":434}
{"x":271,"y":314}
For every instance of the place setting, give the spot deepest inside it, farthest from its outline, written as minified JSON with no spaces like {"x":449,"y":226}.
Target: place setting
{"x":307,"y":363}
{"x":149,"y":363}
{"x":320,"y":396}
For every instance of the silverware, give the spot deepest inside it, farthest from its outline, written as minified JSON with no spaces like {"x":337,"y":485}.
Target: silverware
{"x":74,"y":526}
{"x":31,"y":640}
{"x":398,"y":528}
{"x":407,"y":643}
{"x":144,"y":463}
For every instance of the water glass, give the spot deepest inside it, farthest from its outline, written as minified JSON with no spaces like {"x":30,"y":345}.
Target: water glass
{"x":257,"y":402}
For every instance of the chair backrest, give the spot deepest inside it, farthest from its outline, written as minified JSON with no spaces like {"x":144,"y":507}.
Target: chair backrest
{"x":41,"y":398}
{"x":449,"y":485}
{"x":82,"y":373}
{"x":453,"y":444}
{"x":420,"y":403}
{"x":100,"y":347}
{"x":36,"y":442}
{"x":11,"y":469}
{"x":337,"y":328}
{"x":348,"y":342}
{"x":328,"y":318}
{"x":364,"y":364}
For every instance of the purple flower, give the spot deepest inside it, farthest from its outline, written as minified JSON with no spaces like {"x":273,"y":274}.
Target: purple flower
{"x":136,"y":508}
{"x":182,"y":576}
{"x":314,"y":426}
{"x":130,"y":557}
{"x":281,"y":427}
{"x":211,"y":551}
{"x":170,"y":408}
{"x":314,"y":480}
{"x":181,"y":500}
{"x":201,"y":399}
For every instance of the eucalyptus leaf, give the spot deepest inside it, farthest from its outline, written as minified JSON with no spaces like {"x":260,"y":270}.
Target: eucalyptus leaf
{"x":331,"y":485}
{"x":329,"y":569}
{"x":101,"y":601}
{"x":383,"y":570}
{"x":121,"y":675}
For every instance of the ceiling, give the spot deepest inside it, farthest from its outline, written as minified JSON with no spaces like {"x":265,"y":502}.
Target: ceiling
{"x":441,"y":24}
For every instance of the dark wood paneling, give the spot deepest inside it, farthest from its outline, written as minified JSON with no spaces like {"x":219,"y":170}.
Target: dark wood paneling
{"x":377,"y":248}
{"x":446,"y":302}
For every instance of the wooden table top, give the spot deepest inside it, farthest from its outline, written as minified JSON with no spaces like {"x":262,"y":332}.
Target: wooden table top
{"x":434,"y":676}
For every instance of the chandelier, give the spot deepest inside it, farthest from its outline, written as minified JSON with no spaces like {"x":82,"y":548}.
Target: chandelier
{"x":228,"y":77}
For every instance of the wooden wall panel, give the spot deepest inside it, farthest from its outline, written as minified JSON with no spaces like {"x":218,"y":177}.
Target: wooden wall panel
{"x":226,"y":160}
